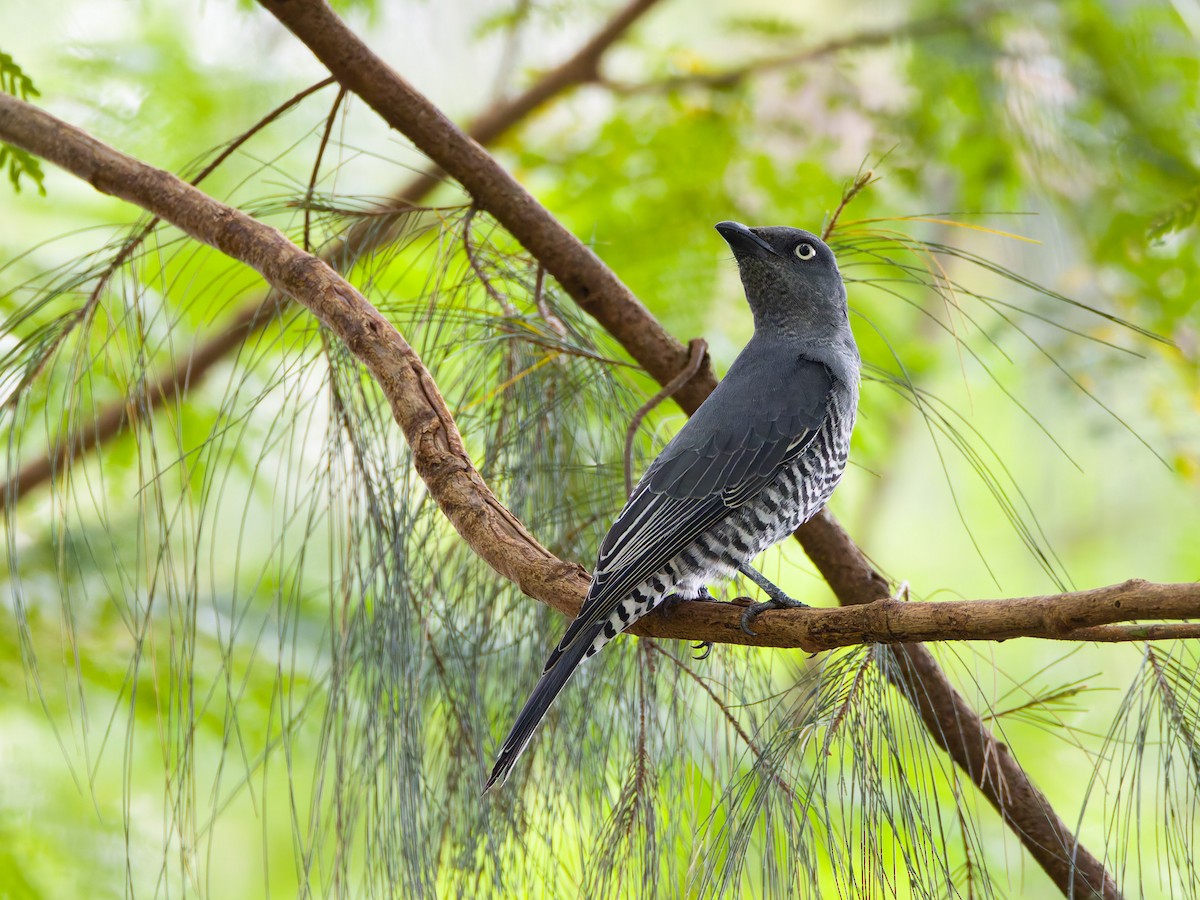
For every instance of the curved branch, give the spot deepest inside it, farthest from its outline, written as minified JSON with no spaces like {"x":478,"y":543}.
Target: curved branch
{"x":488,"y":127}
{"x":946,"y":714}
{"x":438,"y":453}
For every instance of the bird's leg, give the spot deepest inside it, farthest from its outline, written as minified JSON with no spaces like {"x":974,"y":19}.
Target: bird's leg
{"x":671,"y":601}
{"x":779,"y":600}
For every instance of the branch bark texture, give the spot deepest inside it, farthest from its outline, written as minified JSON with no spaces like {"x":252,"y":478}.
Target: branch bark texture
{"x":418,"y":407}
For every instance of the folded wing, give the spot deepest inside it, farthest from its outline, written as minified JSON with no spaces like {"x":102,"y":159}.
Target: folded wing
{"x":726,"y":454}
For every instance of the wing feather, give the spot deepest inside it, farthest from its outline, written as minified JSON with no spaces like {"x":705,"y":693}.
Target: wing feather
{"x":723,"y":457}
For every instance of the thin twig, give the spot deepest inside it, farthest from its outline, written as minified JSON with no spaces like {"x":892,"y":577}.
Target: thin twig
{"x":312,"y":181}
{"x":501,"y":300}
{"x":696,"y":353}
{"x":1113,"y":634}
{"x":539,"y":299}
{"x":863,"y":179}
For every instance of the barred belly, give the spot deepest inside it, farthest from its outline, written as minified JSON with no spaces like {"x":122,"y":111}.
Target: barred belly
{"x":798,"y":493}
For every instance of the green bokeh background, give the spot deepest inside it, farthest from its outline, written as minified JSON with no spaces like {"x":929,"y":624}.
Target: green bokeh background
{"x":1073,"y":124}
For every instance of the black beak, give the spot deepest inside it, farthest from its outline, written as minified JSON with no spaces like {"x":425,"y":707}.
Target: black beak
{"x":738,"y":236}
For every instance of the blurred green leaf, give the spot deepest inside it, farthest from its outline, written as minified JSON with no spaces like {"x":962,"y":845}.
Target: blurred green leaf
{"x":19,"y":163}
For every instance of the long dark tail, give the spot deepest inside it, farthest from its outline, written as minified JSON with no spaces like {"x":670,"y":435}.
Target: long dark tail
{"x":535,"y":707}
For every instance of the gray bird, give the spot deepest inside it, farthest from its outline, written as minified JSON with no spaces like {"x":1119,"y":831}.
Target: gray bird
{"x":760,"y":457}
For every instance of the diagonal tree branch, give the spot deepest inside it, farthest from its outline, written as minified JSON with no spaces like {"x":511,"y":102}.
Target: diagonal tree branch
{"x":580,"y":272}
{"x":365,"y":236}
{"x":954,"y":725}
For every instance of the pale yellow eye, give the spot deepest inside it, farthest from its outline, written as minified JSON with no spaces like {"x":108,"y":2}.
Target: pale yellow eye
{"x":806,"y":251}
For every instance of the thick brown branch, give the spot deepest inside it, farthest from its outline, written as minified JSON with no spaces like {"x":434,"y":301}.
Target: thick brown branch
{"x":1073,"y":616}
{"x":365,"y":236}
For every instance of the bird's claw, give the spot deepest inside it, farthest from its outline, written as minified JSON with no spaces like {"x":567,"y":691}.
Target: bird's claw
{"x":754,"y":609}
{"x":671,"y":601}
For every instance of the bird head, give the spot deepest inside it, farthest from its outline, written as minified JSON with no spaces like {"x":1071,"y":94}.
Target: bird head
{"x":791,"y":279}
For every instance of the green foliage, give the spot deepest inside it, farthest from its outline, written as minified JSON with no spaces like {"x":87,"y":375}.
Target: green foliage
{"x":244,"y":653}
{"x":1182,"y":215}
{"x":765,"y":26}
{"x":14,"y":81}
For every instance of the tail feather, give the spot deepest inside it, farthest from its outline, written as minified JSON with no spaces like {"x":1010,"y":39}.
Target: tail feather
{"x":535,"y":707}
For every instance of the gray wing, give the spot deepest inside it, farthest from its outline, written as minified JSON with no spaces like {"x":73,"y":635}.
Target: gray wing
{"x":761,"y":417}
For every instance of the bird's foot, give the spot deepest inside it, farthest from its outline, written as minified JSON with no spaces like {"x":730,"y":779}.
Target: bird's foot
{"x":669,"y":603}
{"x":777,"y":601}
